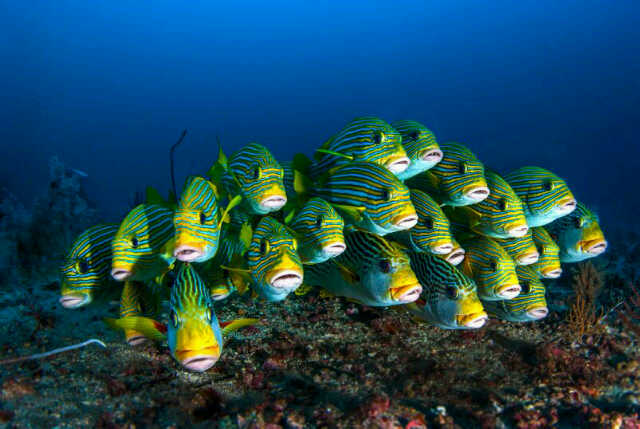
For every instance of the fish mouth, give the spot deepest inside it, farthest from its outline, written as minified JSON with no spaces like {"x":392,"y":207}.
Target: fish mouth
{"x":567,"y":207}
{"x":406,"y":294}
{"x":442,"y":249}
{"x":595,"y":247}
{"x":73,"y":300}
{"x":219,"y":295}
{"x":199,"y":363}
{"x":473,"y":320}
{"x":186,"y":253}
{"x":477,"y":193}
{"x":286,"y":279}
{"x":538,"y":313}
{"x":529,"y":258}
{"x":121,"y":274}
{"x":434,"y":155}
{"x":273,"y":202}
{"x":518,"y":231}
{"x":136,"y":340}
{"x":509,"y":291}
{"x":406,"y":222}
{"x":398,"y":165}
{"x":334,"y":249}
{"x":552,"y":274}
{"x":455,"y":257}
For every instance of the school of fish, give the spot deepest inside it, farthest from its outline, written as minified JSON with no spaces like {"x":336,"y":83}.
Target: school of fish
{"x":381,"y":214}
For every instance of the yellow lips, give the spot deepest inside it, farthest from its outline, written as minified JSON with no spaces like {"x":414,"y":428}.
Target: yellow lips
{"x":398,"y":292}
{"x":195,"y":338}
{"x":464,"y":319}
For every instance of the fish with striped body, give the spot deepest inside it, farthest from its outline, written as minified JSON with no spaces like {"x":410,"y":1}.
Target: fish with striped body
{"x":87,"y":266}
{"x":491,"y":268}
{"x":368,"y":196}
{"x":363,"y":139}
{"x":319,"y":230}
{"x":457,"y":180}
{"x":449,"y":299}
{"x":500,"y":215}
{"x":455,"y":256}
{"x":420,"y":145}
{"x":254,"y":174}
{"x":522,"y":250}
{"x":545,"y":196}
{"x":140,"y":299}
{"x":197,"y":221}
{"x":274,"y":265}
{"x":548,"y":264}
{"x":529,"y":306}
{"x":578,"y":235}
{"x":142,"y":249}
{"x":371,"y":271}
{"x":431,"y":233}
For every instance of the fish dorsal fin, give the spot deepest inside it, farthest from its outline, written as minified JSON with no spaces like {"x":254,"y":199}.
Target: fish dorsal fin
{"x":148,"y":327}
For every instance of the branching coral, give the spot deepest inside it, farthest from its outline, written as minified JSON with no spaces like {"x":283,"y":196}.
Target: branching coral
{"x":583,"y":318}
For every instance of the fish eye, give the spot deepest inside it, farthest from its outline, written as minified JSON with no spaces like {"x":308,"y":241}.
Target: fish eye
{"x":203,"y":218}
{"x":428,"y":222}
{"x":174,"y":318}
{"x":493,"y":266}
{"x":83,"y":267}
{"x":377,"y":138}
{"x":462,"y":167}
{"x":579,"y":222}
{"x":256,"y":173}
{"x":134,"y":242}
{"x":548,"y":185}
{"x":525,"y":287}
{"x":387,"y":194}
{"x":502,"y":204}
{"x":385,"y":265}
{"x":451,"y":292}
{"x":318,"y":223}
{"x":415,"y":135}
{"x":264,"y":247}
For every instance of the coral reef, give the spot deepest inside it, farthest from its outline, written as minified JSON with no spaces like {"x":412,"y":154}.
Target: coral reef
{"x":583,"y":317}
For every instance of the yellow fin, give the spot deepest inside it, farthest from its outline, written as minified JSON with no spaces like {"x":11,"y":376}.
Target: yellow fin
{"x":332,"y":152}
{"x":353,"y":212}
{"x":238,"y":324}
{"x":347,"y":274}
{"x":289,"y":217}
{"x":154,"y":197}
{"x":145,"y":325}
{"x":225,"y":215}
{"x":326,"y":294}
{"x":246,"y":234}
{"x":303,"y":289}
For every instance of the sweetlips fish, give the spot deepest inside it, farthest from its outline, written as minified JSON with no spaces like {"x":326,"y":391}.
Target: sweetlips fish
{"x":273,"y":262}
{"x":142,"y":249}
{"x":368,"y":196}
{"x":578,"y":235}
{"x":491,"y":268}
{"x":319,"y":230}
{"x":87,"y":266}
{"x":545,"y":196}
{"x":253,"y":174}
{"x":421,"y":147}
{"x":363,"y":139}
{"x":521,"y":249}
{"x":500,"y":215}
{"x":140,"y":299}
{"x":431,"y":233}
{"x":455,"y":256}
{"x":371,"y":271}
{"x":529,"y":306}
{"x":194,"y":336}
{"x":548,"y":265}
{"x":449,"y":299}
{"x":457,"y":180}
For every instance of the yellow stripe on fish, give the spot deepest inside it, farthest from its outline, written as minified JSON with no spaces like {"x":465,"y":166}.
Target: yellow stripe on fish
{"x":548,"y":264}
{"x":529,"y":306}
{"x":421,"y":147}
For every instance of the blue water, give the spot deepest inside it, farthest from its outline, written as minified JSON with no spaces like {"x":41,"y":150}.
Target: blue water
{"x":108,"y":86}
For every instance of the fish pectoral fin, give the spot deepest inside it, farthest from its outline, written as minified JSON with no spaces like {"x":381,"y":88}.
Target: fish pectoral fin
{"x":148,"y":327}
{"x":303,"y":289}
{"x":246,"y":234}
{"x":334,"y":153}
{"x":355,"y":213}
{"x":347,"y":274}
{"x":289,"y":217}
{"x":226,"y":218}
{"x":234,"y":325}
{"x":301,"y":183}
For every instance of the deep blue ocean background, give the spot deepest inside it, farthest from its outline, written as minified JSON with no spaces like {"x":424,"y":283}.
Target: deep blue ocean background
{"x":108,"y":86}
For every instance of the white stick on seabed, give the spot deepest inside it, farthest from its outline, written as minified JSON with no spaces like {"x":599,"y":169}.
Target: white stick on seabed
{"x":53,"y":352}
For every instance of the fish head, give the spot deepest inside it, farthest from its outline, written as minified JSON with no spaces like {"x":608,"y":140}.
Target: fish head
{"x":548,"y":264}
{"x":319,"y":229}
{"x":530,"y":305}
{"x":432,"y":231}
{"x":578,"y":235}
{"x":420,"y":145}
{"x":522,"y":250}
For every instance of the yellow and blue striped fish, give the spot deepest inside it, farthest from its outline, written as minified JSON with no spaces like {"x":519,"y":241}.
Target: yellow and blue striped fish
{"x":500,"y":215}
{"x":578,"y":235}
{"x":197,"y":221}
{"x":371,"y":271}
{"x":140,"y":299}
{"x":431,"y":233}
{"x":548,"y":265}
{"x":545,"y":196}
{"x":319,"y":230}
{"x":87,"y":266}
{"x":142,"y":249}
{"x":369,"y":197}
{"x":492,"y":269}
{"x":253,"y":173}
{"x":456,"y":256}
{"x":363,"y":139}
{"x":421,"y":147}
{"x":273,"y":261}
{"x":449,"y":298}
{"x":529,"y":306}
{"x":521,"y":249}
{"x":457,"y":180}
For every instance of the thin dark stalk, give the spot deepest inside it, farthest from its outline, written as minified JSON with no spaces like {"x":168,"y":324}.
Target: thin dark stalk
{"x":173,"y":148}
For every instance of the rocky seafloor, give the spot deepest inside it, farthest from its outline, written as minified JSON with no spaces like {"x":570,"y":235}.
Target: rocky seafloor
{"x":312,"y":361}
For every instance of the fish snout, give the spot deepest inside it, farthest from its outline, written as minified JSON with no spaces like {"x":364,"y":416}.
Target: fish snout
{"x":73,"y":300}
{"x":405,"y":221}
{"x":596,"y":247}
{"x":186,"y":253}
{"x":273,"y":202}
{"x":135,"y":338}
{"x":334,"y":249}
{"x":398,"y":165}
{"x":474,"y":320}
{"x":199,"y":363}
{"x":552,"y":274}
{"x":434,"y":155}
{"x":286,"y":279}
{"x":528,"y":258}
{"x":443,"y":249}
{"x":477,"y":193}
{"x":567,"y":206}
{"x":518,"y":231}
{"x":538,"y":313}
{"x":455,"y":257}
{"x":509,"y":291}
{"x":120,"y":274}
{"x":406,"y":294}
